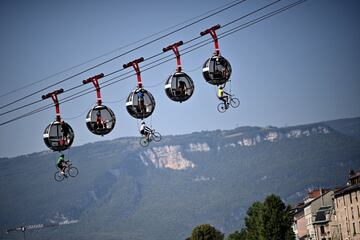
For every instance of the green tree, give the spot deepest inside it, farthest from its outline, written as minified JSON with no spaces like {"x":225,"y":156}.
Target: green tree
{"x":206,"y":232}
{"x":277,"y":219}
{"x":270,"y":220}
{"x":237,"y":235}
{"x":254,"y":222}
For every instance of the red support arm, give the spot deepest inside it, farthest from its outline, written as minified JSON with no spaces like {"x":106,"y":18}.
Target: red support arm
{"x":135,"y":65}
{"x":213,"y":35}
{"x":175,"y":49}
{"x":54,"y":97}
{"x":95,"y":81}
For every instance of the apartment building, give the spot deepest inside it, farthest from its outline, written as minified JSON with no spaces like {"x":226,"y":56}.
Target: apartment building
{"x":347,"y":208}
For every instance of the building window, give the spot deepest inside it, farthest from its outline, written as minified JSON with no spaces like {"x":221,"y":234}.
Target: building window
{"x":322,"y":230}
{"x":356,"y":198}
{"x":354,"y":228}
{"x":340,"y":228}
{"x":358,"y":211}
{"x":344,"y":200}
{"x":350,"y":198}
{"x":352,"y":213}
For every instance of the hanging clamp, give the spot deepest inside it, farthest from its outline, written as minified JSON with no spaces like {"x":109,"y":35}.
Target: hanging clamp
{"x":54,"y":97}
{"x":214,"y":36}
{"x":95,"y":81}
{"x":135,"y":65}
{"x":175,"y":49}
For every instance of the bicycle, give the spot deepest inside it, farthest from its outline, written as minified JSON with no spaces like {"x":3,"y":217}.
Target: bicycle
{"x":231,"y":101}
{"x":152,"y":136}
{"x":69,"y":170}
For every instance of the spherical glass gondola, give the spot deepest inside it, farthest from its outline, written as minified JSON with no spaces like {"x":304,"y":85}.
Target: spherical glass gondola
{"x":100,"y":120}
{"x":58,"y":136}
{"x":140,"y":103}
{"x":179,"y":87}
{"x":217,"y":70}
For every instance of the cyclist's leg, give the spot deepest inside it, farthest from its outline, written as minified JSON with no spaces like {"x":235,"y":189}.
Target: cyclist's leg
{"x":63,"y":167}
{"x":226,"y":101}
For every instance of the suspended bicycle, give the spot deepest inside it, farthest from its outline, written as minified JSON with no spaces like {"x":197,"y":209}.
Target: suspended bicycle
{"x":151,"y":136}
{"x":69,"y":171}
{"x":231,"y":101}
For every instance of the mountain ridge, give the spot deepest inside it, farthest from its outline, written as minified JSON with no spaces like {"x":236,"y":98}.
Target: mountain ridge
{"x":125,"y":191}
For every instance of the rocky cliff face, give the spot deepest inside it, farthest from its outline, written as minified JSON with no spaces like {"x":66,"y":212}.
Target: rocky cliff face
{"x":172,"y":156}
{"x":166,"y":157}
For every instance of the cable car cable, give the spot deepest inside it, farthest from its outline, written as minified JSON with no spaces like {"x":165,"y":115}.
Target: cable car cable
{"x":112,"y":51}
{"x":227,"y":33}
{"x":156,"y":55}
{"x":120,"y":55}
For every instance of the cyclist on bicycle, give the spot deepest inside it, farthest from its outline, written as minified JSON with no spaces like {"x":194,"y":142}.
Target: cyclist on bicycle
{"x":223,"y":96}
{"x":61,"y":163}
{"x":145,"y":130}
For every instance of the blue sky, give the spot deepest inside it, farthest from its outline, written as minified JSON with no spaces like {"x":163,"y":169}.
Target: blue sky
{"x":300,"y":66}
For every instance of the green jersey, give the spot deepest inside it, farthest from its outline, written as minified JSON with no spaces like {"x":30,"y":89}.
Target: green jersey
{"x":60,"y":160}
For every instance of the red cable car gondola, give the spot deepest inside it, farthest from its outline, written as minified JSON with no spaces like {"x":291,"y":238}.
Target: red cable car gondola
{"x":58,"y":135}
{"x":216,"y":70}
{"x":179,"y":86}
{"x":100,"y":120}
{"x":140,"y":103}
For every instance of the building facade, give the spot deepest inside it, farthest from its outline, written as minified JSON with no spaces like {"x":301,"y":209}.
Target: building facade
{"x":347,"y":208}
{"x":330,"y":215}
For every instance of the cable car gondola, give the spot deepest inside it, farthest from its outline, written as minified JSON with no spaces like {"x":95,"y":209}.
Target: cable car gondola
{"x":140,"y":103}
{"x":179,"y":86}
{"x":58,"y":135}
{"x":216,"y":70}
{"x":100,"y":120}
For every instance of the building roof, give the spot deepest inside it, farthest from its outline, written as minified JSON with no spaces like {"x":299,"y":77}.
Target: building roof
{"x":315,"y":193}
{"x":353,"y":174}
{"x":347,"y":190}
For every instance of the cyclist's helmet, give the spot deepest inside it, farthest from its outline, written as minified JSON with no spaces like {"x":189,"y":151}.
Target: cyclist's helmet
{"x":62,"y":155}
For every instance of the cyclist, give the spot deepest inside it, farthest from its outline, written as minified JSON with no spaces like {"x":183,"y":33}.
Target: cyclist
{"x":223,"y":96}
{"x":145,"y":130}
{"x":62,"y":164}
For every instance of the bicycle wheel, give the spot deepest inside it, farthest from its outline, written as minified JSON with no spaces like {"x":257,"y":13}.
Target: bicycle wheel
{"x":156,"y":136}
{"x":144,"y":142}
{"x":58,"y":176}
{"x":235,"y":102}
{"x":73,"y":171}
{"x":221,"y":107}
